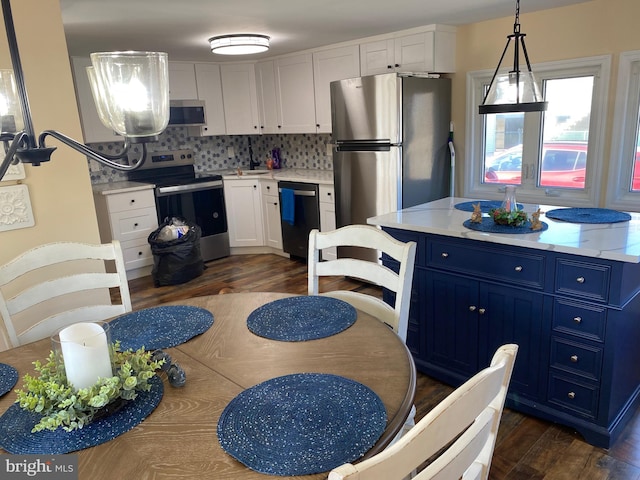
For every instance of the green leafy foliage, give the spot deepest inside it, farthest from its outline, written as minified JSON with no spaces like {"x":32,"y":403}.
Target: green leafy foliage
{"x":514,"y":218}
{"x":62,"y":406}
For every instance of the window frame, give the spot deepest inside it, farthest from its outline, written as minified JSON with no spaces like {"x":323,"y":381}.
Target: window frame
{"x":600,"y":68}
{"x":624,"y":131}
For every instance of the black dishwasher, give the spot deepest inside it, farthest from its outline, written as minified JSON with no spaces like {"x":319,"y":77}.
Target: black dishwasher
{"x":299,"y":214}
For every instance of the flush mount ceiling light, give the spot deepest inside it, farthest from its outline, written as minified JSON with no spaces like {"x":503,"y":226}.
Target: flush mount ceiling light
{"x":239,"y":44}
{"x":131,"y":92}
{"x":514,"y":91}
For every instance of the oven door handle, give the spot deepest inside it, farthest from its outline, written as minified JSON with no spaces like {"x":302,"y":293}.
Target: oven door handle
{"x":194,"y":187}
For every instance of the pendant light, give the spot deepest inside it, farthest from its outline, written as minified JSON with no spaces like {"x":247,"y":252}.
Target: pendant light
{"x":131,"y":91}
{"x":239,"y":44}
{"x":515,"y":91}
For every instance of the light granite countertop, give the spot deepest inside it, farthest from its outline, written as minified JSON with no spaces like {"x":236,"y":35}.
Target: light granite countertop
{"x":120,"y":187}
{"x":289,"y":174}
{"x":611,"y":241}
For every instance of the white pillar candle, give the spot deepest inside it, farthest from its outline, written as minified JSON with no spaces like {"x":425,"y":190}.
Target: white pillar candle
{"x":85,"y":352}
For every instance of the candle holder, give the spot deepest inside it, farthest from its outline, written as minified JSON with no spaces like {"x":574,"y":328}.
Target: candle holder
{"x":83,"y":353}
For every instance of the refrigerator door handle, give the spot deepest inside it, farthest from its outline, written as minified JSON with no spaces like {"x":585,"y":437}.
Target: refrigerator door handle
{"x":364,"y":147}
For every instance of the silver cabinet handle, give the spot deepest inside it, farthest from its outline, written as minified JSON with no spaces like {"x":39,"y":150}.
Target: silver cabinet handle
{"x":472,"y":308}
{"x":580,"y":279}
{"x":518,"y":268}
{"x":574,"y":358}
{"x":577,"y":319}
{"x":444,"y":255}
{"x":571,"y":395}
{"x":482,"y":311}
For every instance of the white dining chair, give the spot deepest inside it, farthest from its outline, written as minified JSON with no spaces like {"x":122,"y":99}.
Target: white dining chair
{"x":38,"y":288}
{"x":366,"y":236}
{"x":458,"y":436}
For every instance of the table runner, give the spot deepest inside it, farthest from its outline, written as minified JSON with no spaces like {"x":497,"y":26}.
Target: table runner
{"x":485,"y":205}
{"x":301,"y":318}
{"x":588,"y":215}
{"x":301,"y":424}
{"x":8,"y":378}
{"x":490,"y":226}
{"x":16,"y":425}
{"x":160,"y":327}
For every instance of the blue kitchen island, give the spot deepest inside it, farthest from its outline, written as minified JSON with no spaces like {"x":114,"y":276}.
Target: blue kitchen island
{"x":567,"y":295}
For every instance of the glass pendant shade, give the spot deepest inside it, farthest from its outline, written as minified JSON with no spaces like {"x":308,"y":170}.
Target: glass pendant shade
{"x":510,"y":93}
{"x":240,"y":44}
{"x":131,"y":91}
{"x":10,"y":113}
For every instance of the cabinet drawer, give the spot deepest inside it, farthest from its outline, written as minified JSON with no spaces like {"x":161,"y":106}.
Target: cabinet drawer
{"x":577,"y":396}
{"x":326,"y":194}
{"x":121,"y":202}
{"x":587,"y":280}
{"x":576,"y":358}
{"x":586,"y":321}
{"x":133,"y":224}
{"x":269,"y":187}
{"x":137,"y":256}
{"x":489,"y":263}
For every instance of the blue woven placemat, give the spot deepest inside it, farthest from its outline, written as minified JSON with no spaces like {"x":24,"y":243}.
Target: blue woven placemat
{"x":160,"y":327}
{"x":301,"y":424}
{"x":490,"y":226}
{"x":588,"y":215}
{"x":296,"y":319}
{"x":8,"y":378}
{"x":16,"y":425}
{"x":485,"y":205}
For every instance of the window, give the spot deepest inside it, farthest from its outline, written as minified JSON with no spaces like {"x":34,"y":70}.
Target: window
{"x":554,"y":157}
{"x":624,"y":172}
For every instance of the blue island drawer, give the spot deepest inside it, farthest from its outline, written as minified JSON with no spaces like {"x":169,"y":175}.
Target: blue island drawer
{"x":586,"y":280}
{"x":576,"y":358}
{"x":581,"y":398}
{"x":501,"y":264}
{"x":581,"y":320}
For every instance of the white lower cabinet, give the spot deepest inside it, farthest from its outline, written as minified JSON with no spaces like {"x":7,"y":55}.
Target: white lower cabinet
{"x":327,"y":217}
{"x":244,"y":212}
{"x":271,"y":214}
{"x":128,"y":216}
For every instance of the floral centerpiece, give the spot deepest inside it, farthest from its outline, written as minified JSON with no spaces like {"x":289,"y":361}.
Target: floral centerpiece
{"x":512,"y":218}
{"x":60,"y":405}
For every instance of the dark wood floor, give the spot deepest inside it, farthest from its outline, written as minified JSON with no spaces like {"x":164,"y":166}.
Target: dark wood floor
{"x":527,"y":448}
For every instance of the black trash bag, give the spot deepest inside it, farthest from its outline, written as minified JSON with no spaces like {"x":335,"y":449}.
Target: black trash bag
{"x":177,"y":260}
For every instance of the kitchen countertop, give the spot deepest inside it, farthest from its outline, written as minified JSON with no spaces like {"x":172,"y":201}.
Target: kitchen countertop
{"x":611,"y":241}
{"x":289,"y":174}
{"x":120,"y":187}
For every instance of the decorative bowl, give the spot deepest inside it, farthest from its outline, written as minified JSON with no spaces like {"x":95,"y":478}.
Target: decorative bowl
{"x":513,"y":218}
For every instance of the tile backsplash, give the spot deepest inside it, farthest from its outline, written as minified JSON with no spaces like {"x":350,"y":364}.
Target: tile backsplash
{"x":211,"y":153}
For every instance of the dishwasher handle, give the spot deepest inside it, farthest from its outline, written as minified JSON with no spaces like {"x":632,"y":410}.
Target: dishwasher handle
{"x":302,"y":193}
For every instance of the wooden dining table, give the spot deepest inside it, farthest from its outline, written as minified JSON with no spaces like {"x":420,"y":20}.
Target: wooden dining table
{"x":178,"y":440}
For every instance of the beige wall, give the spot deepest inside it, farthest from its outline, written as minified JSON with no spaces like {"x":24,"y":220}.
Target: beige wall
{"x":599,"y":27}
{"x":60,"y":190}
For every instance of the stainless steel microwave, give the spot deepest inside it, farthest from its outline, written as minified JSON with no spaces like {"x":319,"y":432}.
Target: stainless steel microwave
{"x":187,"y":113}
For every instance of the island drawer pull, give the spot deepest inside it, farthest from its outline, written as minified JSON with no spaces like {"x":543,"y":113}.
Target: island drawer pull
{"x":518,"y":268}
{"x":472,"y":308}
{"x":580,"y":279}
{"x":571,"y":395}
{"x":577,"y":320}
{"x":482,"y":311}
{"x":444,"y":255}
{"x":574,"y":358}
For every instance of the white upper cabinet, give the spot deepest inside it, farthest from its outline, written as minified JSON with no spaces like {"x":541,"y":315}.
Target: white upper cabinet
{"x":267,"y":98}
{"x":240,"y":98}
{"x":182,"y":81}
{"x":431,"y":51}
{"x":329,"y":65}
{"x":93,"y":129}
{"x":209,"y":86}
{"x":294,"y":94}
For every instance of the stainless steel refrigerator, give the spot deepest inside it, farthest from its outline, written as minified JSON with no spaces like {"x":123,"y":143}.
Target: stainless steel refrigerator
{"x":390,"y":135}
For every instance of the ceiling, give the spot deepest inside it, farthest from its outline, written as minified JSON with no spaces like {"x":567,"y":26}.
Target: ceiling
{"x":182,"y":28}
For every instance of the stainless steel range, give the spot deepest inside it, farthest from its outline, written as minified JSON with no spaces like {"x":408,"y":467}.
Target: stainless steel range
{"x":181,"y":192}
